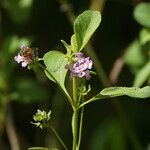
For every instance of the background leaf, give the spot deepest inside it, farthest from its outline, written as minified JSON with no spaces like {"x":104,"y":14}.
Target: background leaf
{"x":85,"y":25}
{"x":18,"y":10}
{"x":134,"y":56}
{"x":144,"y":36}
{"x":142,"y":75}
{"x":142,"y":14}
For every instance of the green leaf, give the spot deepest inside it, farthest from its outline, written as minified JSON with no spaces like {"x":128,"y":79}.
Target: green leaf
{"x":134,"y":92}
{"x":142,"y":14}
{"x":144,"y":36}
{"x":55,"y":63}
{"x":85,"y":25}
{"x":142,"y":75}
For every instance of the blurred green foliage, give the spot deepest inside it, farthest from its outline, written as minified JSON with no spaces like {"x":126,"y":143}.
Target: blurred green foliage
{"x":18,"y":10}
{"x":41,"y":24}
{"x":137,"y":55}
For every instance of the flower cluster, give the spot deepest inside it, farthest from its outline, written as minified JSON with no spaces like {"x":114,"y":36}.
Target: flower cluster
{"x":81,"y":66}
{"x":26,"y":56}
{"x":41,"y":118}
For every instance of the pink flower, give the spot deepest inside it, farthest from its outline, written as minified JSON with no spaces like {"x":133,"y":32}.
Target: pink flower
{"x":26,"y":56}
{"x":23,"y":60}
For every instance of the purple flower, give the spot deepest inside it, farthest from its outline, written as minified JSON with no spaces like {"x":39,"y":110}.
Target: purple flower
{"x":26,"y":56}
{"x":81,"y":66}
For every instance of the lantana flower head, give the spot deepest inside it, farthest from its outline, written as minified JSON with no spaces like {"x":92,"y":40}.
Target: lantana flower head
{"x":26,"y":56}
{"x":81,"y":66}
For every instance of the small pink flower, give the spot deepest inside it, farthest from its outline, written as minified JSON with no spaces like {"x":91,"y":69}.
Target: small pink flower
{"x":26,"y":56}
{"x":23,"y":60}
{"x":18,"y":58}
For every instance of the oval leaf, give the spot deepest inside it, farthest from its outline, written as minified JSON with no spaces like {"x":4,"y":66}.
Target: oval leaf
{"x":142,"y":14}
{"x":55,"y":63}
{"x":85,"y":25}
{"x":128,"y":91}
{"x":54,"y":60}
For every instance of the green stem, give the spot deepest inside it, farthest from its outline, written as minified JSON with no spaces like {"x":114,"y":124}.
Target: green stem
{"x":75,"y":114}
{"x":58,"y":137}
{"x":80,"y":128}
{"x":75,"y":129}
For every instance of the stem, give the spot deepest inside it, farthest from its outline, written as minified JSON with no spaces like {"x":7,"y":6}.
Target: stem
{"x":75,"y":128}
{"x":80,"y":128}
{"x":58,"y":137}
{"x":75,"y":114}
